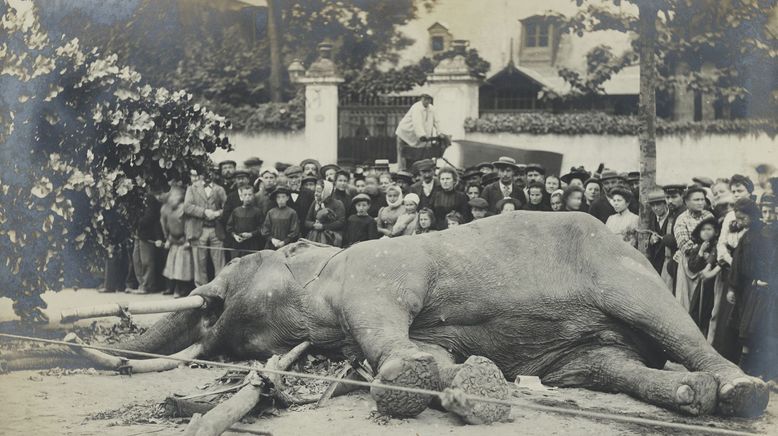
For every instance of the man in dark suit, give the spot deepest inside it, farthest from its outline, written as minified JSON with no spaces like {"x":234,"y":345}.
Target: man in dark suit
{"x":505,"y":186}
{"x":658,"y":226}
{"x":203,"y":207}
{"x":427,"y":184}
{"x":300,"y":200}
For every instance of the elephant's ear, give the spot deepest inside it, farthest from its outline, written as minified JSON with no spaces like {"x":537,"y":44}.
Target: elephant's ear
{"x":300,"y":247}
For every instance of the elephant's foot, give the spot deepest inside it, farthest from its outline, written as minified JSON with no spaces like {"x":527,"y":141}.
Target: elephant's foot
{"x":416,"y":370}
{"x":696,"y":393}
{"x":743,"y":396}
{"x":481,"y":377}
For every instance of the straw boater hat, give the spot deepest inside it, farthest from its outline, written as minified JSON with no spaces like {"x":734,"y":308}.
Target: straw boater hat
{"x":506,"y":162}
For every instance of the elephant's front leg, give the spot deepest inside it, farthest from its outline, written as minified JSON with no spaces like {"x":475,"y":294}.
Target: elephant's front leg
{"x":380,"y":328}
{"x":477,"y":376}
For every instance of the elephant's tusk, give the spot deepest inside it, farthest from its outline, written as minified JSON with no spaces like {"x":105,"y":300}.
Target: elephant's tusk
{"x":135,"y":308}
{"x":108,"y":361}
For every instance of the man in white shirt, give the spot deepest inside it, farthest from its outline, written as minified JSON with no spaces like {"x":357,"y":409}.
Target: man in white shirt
{"x":418,"y":125}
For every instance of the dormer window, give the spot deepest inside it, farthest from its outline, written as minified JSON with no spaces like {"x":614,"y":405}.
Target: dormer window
{"x":439,"y":38}
{"x":536,"y":34}
{"x":438,"y":44}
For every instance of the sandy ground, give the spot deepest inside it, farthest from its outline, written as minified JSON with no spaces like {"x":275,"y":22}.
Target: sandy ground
{"x":104,"y":403}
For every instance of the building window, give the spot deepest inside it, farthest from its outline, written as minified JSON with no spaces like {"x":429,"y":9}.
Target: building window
{"x":437,"y":43}
{"x":536,"y":34}
{"x":514,"y":99}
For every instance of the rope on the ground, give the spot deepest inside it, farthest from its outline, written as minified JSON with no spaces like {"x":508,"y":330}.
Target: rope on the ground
{"x":524,"y":404}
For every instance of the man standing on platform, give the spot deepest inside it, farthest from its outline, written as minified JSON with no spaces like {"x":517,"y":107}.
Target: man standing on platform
{"x":417,"y":126}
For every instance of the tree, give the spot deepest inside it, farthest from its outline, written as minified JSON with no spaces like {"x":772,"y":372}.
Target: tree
{"x":716,"y":33}
{"x":83,"y":139}
{"x":230,"y":53}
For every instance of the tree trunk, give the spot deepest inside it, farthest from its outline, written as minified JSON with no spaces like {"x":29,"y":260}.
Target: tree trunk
{"x":647,"y":115}
{"x":273,"y":20}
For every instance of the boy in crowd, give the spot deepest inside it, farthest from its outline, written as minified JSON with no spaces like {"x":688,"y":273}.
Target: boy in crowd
{"x":360,"y":226}
{"x":245,"y":222}
{"x":281,"y":225}
{"x":479,"y":208}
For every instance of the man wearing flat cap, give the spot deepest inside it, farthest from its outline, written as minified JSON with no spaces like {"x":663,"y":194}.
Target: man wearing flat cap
{"x":427,"y":184}
{"x":505,"y":186}
{"x":418,"y":125}
{"x":658,"y":225}
{"x":300,"y":200}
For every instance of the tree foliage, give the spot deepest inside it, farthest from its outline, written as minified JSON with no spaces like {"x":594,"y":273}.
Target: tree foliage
{"x":720,"y":48}
{"x":83,"y":139}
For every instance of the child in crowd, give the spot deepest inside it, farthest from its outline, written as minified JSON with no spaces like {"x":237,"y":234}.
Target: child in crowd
{"x":556,"y":200}
{"x":508,"y":205}
{"x":454,"y":218}
{"x":323,"y":235}
{"x":359,"y":185}
{"x":552,"y":184}
{"x":245,"y":222}
{"x":535,"y":191}
{"x":479,"y":208}
{"x":388,"y":215}
{"x":407,"y":222}
{"x":281,"y":225}
{"x":360,"y":226}
{"x":573,"y":199}
{"x":702,"y":262}
{"x":384,"y":182}
{"x":426,"y":221}
{"x":179,"y":266}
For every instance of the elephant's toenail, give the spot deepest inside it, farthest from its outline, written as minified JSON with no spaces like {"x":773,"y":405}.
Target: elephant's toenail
{"x":684,"y":394}
{"x":391,"y":370}
{"x":726,"y":388}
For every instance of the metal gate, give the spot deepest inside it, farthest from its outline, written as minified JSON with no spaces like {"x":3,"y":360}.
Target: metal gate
{"x":366,"y":128}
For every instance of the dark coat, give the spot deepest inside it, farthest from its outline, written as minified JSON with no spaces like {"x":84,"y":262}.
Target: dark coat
{"x":444,"y":202}
{"x":656,"y":252}
{"x":334,"y":205}
{"x":601,"y":209}
{"x":301,"y":205}
{"x":424,"y":200}
{"x":493,"y":194}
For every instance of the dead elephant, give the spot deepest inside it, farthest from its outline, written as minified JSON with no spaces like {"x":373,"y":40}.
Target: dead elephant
{"x":552,"y":295}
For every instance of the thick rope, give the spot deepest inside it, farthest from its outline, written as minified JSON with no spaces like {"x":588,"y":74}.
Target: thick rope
{"x":524,"y":404}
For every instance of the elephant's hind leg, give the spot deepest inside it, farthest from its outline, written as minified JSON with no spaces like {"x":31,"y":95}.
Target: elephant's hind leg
{"x":615,"y":369}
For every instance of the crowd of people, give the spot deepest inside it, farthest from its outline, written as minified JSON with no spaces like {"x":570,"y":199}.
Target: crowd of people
{"x":711,"y":241}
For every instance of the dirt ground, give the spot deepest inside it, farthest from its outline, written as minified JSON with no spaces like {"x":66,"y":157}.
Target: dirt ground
{"x":104,"y":403}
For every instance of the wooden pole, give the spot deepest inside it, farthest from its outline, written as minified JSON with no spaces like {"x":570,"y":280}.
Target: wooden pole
{"x":221,"y":417}
{"x":274,"y":37}
{"x":647,"y":114}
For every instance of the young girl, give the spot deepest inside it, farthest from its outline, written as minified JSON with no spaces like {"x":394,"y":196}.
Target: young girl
{"x":508,"y":205}
{"x":454,"y":219}
{"x":556,"y":200}
{"x":179,"y":266}
{"x":573,"y":199}
{"x":388,"y":215}
{"x":426,"y":221}
{"x":406,"y":223}
{"x":535,"y":202}
{"x":703,"y":262}
{"x":624,"y":223}
{"x":552,"y":184}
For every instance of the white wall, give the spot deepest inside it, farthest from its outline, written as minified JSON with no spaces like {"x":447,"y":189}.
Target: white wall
{"x":271,"y":147}
{"x":678,"y":158}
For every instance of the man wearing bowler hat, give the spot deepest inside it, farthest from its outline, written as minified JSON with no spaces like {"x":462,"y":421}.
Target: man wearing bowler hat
{"x":505,"y":186}
{"x":427,"y":184}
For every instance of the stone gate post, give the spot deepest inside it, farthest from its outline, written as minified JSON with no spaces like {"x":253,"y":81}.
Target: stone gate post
{"x":455,"y":92}
{"x":321,"y":82}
